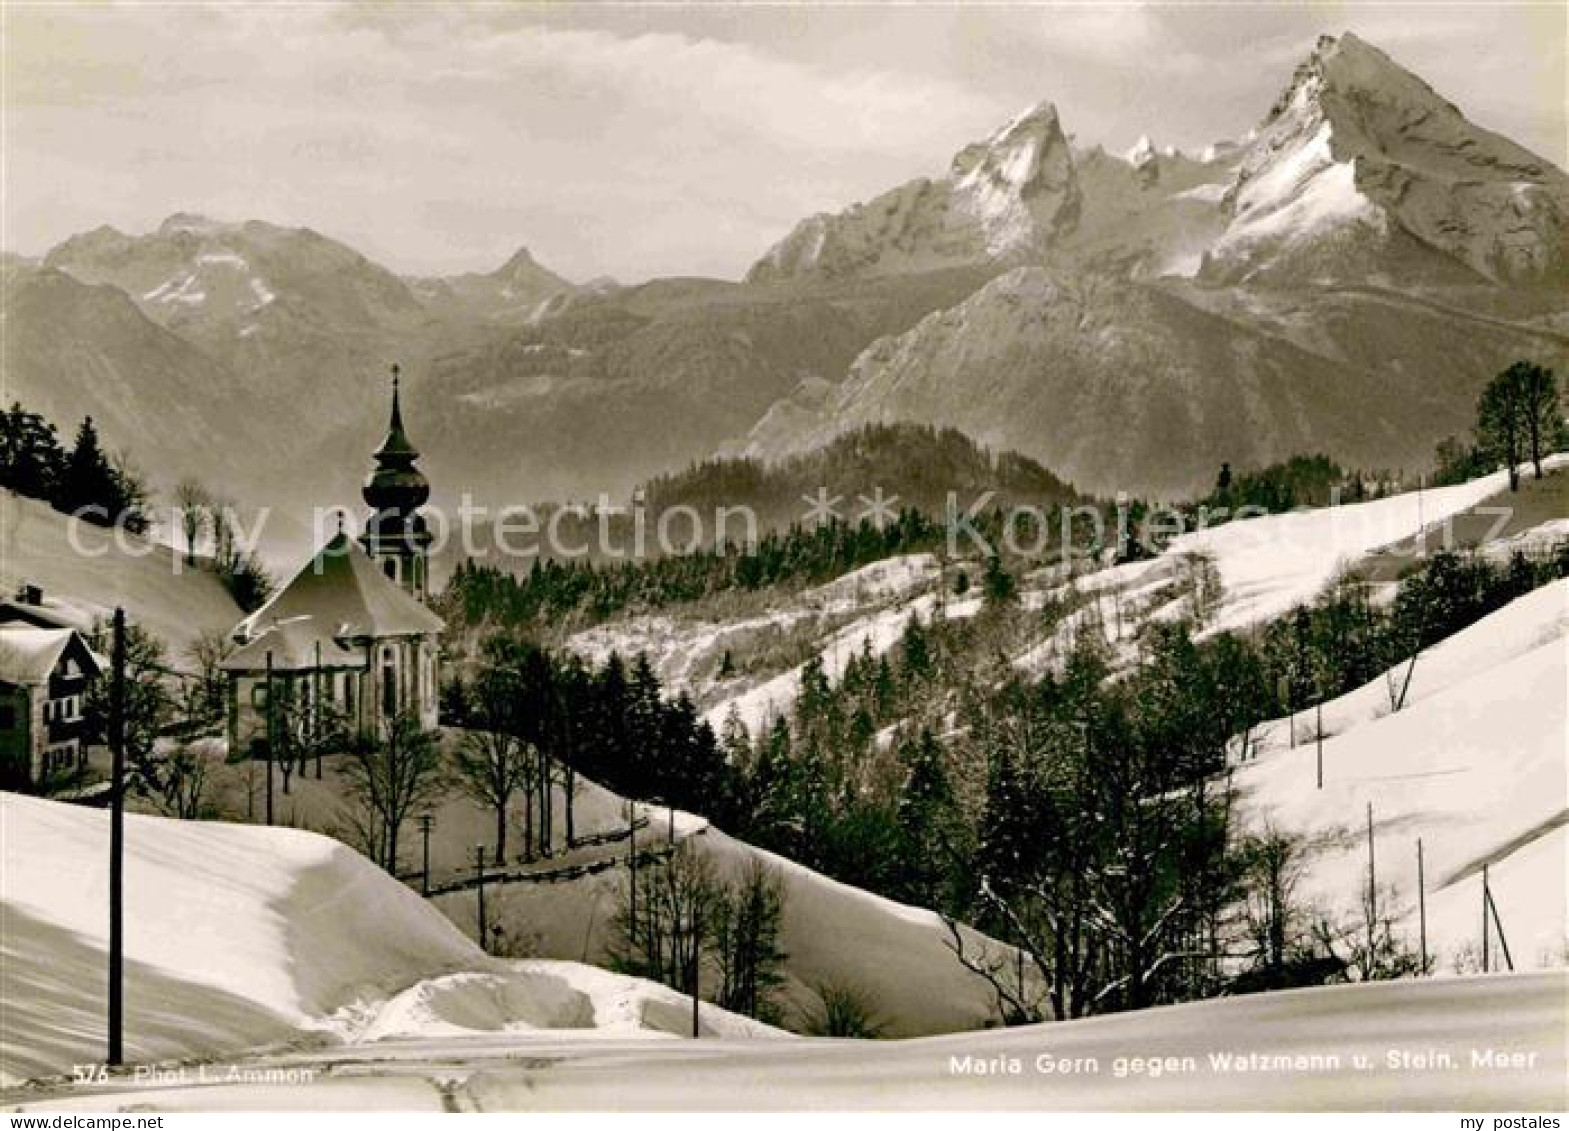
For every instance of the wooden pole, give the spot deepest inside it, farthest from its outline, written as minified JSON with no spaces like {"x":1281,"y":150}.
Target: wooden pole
{"x":696,"y":970}
{"x":1485,"y":902}
{"x":425,"y":822}
{"x":1498,"y":923}
{"x":117,"y":843}
{"x":1319,"y":726}
{"x":271,"y":734}
{"x":1372,"y":890}
{"x":316,"y":727}
{"x":1421,"y":902}
{"x":479,"y":886}
{"x":632,"y":866}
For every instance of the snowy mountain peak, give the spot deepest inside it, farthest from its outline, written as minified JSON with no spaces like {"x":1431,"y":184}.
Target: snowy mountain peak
{"x":522,"y":260}
{"x":1014,"y":192}
{"x":1360,"y":167}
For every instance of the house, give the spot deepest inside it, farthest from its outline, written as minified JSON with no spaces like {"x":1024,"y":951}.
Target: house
{"x":44,"y":676}
{"x":350,"y":632}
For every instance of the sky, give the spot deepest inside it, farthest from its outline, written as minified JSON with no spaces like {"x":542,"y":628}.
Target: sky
{"x":642,"y":140}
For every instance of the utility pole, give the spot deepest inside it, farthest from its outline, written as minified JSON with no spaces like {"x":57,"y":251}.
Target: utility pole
{"x":1372,"y":890}
{"x":697,"y":943}
{"x":1318,"y":725}
{"x":117,"y":844}
{"x":1503,"y":941}
{"x":271,"y":734}
{"x":425,"y":823}
{"x":1485,"y":902}
{"x":479,"y":886}
{"x":1421,"y":903}
{"x":316,"y":722}
{"x":632,"y":866}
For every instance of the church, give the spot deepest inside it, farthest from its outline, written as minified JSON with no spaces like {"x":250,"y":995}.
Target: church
{"x":351,"y":632}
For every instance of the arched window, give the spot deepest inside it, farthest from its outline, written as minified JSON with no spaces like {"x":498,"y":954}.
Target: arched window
{"x":389,"y":683}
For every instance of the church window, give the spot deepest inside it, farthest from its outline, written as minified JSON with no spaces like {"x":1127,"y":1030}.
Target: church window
{"x":389,"y":684}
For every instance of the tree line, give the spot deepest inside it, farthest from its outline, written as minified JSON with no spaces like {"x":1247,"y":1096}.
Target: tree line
{"x":1083,"y":819}
{"x":81,"y":480}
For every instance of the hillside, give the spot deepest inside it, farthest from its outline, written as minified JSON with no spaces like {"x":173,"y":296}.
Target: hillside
{"x":91,"y":570}
{"x":74,"y":349}
{"x":1474,"y":766}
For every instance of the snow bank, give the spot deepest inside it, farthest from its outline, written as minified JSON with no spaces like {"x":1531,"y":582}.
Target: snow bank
{"x":234,"y":935}
{"x":543,"y":995}
{"x":239,"y":936}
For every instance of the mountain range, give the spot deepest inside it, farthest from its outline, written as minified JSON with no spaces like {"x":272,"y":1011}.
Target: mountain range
{"x":1343,"y":279}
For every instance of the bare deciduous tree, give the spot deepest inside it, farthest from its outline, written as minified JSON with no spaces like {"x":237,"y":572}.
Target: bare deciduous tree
{"x":387,"y":778}
{"x":195,"y":505}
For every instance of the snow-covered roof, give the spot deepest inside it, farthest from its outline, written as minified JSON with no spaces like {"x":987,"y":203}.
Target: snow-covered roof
{"x":49,"y":613}
{"x":300,"y":644}
{"x":29,"y":654}
{"x":342,"y":595}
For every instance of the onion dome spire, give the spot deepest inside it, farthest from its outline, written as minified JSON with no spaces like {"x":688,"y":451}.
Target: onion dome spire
{"x":396,"y":485}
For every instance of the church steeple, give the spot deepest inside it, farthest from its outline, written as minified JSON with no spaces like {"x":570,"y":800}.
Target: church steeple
{"x":396,"y":535}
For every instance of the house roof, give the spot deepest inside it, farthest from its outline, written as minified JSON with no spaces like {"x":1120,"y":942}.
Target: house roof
{"x":342,"y":595}
{"x":50,"y":614}
{"x":29,"y":654}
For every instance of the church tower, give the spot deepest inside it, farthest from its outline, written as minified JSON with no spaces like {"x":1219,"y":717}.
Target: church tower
{"x":396,"y":536}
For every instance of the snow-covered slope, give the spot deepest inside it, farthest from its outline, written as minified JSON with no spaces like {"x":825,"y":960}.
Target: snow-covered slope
{"x":1475,"y":766}
{"x":894,"y":956}
{"x":238,"y":936}
{"x":1269,"y":564}
{"x":92,"y":570}
{"x":1361,"y":164}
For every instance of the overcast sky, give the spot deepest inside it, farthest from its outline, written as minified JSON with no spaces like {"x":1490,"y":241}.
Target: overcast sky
{"x":639,"y":141}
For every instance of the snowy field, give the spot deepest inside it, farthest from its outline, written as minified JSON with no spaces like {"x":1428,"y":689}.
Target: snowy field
{"x":1494,"y":1043}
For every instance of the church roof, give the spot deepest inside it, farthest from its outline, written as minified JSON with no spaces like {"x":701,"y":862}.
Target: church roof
{"x":342,"y":595}
{"x":301,"y":644}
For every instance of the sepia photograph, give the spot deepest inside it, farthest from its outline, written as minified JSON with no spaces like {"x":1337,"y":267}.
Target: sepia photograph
{"x":764,"y":557}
